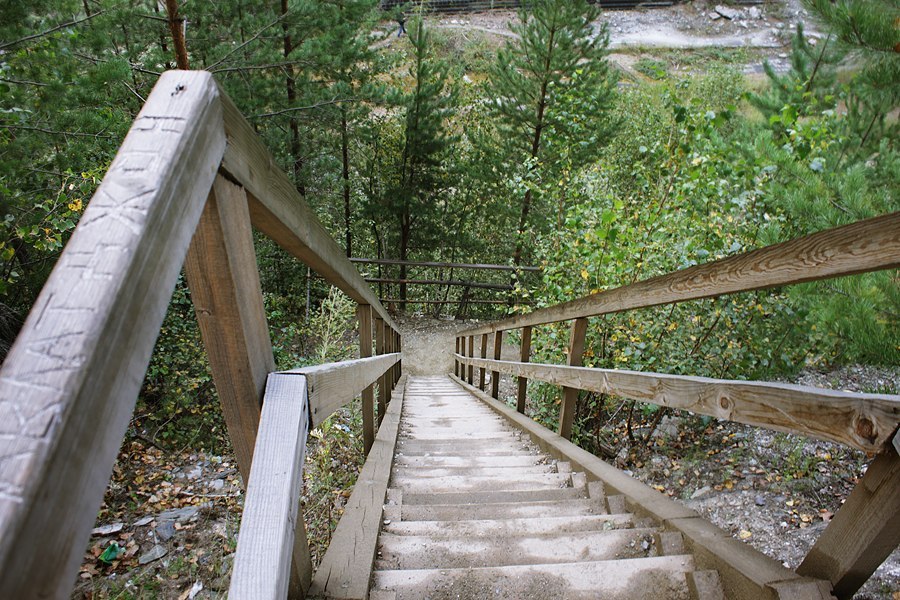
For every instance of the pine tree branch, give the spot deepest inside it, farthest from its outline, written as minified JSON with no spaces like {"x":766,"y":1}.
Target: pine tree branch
{"x":47,"y":32}
{"x":302,"y":108}
{"x":99,"y":135}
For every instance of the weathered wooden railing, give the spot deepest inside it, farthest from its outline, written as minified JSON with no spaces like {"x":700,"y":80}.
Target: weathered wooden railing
{"x":867,"y":527}
{"x":188,"y":184}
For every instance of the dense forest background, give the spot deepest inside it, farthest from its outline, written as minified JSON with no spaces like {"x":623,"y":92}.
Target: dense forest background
{"x":441,"y":146}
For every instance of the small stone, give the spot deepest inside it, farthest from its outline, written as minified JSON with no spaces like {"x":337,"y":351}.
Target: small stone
{"x":143,"y":521}
{"x":701,"y":492}
{"x":715,"y":16}
{"x":760,"y":501}
{"x":729,"y":13}
{"x":216,"y":484}
{"x":387,"y":521}
{"x":155,"y":553}
{"x":108,"y":529}
{"x":165,"y":530}
{"x":754,"y":13}
{"x":195,"y":473}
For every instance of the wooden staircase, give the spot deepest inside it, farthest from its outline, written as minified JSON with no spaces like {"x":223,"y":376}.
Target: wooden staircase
{"x":476,"y":510}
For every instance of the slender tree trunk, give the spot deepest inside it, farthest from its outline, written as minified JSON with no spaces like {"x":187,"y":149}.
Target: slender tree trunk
{"x":292,"y":100}
{"x":162,"y":39}
{"x":405,"y":230}
{"x":345,"y":173}
{"x":176,"y":27}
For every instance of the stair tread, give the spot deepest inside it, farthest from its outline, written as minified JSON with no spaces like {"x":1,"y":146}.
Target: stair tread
{"x":521,"y":526}
{"x":422,"y":552}
{"x":495,"y":496}
{"x":661,"y":577}
{"x":505,"y":510}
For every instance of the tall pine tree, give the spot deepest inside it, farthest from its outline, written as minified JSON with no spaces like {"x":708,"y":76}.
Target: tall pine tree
{"x":550,"y":91}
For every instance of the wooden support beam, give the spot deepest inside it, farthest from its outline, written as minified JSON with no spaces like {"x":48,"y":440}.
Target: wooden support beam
{"x":222,"y":275}
{"x":364,"y":316}
{"x":333,"y":385}
{"x":483,"y":371}
{"x":471,"y":354}
{"x":495,"y":375}
{"x":863,"y":421}
{"x":863,"y":532}
{"x":381,"y":348}
{"x":570,"y":395}
{"x":442,"y":265}
{"x":455,"y":361}
{"x":471,"y":284}
{"x":462,"y":352}
{"x":346,"y":568}
{"x":272,"y":551}
{"x":524,"y":356}
{"x":70,"y":381}
{"x":869,"y":245}
{"x":280,"y":212}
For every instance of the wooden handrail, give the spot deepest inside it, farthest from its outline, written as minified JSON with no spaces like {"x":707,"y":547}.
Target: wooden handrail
{"x":189,"y":166}
{"x":866,"y":422}
{"x":868,"y":245}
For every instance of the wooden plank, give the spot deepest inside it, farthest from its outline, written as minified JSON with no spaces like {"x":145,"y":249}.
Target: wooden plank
{"x":471,"y":284}
{"x":333,"y":385}
{"x":863,"y":421}
{"x":481,"y":375}
{"x":364,"y":315}
{"x":347,"y":565}
{"x":869,"y":245}
{"x":746,"y":573}
{"x":383,"y":387}
{"x":471,"y":354}
{"x":524,"y":356}
{"x":279,"y":211}
{"x":69,"y":383}
{"x":570,"y":395}
{"x":863,"y":532}
{"x":223,"y":278}
{"x":442,"y":265}
{"x":266,"y":541}
{"x":495,"y":375}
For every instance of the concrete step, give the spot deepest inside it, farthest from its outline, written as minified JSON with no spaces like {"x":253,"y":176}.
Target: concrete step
{"x":426,"y":552}
{"x":504,"y":481}
{"x":505,"y":527}
{"x":657,"y":578}
{"x":485,"y":471}
{"x":500,"y":510}
{"x":495,"y":460}
{"x":495,"y":496}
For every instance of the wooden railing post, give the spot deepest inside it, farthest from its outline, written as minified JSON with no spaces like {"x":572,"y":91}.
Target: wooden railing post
{"x":223,"y":278}
{"x":495,"y":375}
{"x":380,"y":348}
{"x":364,"y":314}
{"x":462,"y":352}
{"x":471,"y":354}
{"x":456,"y":360}
{"x":863,"y":532}
{"x":570,"y":395}
{"x":483,"y":371}
{"x":524,"y":356}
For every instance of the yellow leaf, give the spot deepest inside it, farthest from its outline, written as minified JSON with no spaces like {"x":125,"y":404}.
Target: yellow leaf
{"x":744,"y":534}
{"x":585,"y":274}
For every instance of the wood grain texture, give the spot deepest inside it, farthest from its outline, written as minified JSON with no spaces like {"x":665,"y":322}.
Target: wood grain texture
{"x":383,"y":387}
{"x":524,"y":356}
{"x":223,"y":277}
{"x":278,"y":210}
{"x":570,"y":395}
{"x":483,"y":372}
{"x":68,"y":385}
{"x":364,"y":316}
{"x":746,"y":573}
{"x":868,"y":245}
{"x":333,"y":385}
{"x":863,"y":421}
{"x":495,"y":375}
{"x":346,"y":568}
{"x":863,"y":532}
{"x":262,"y":563}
